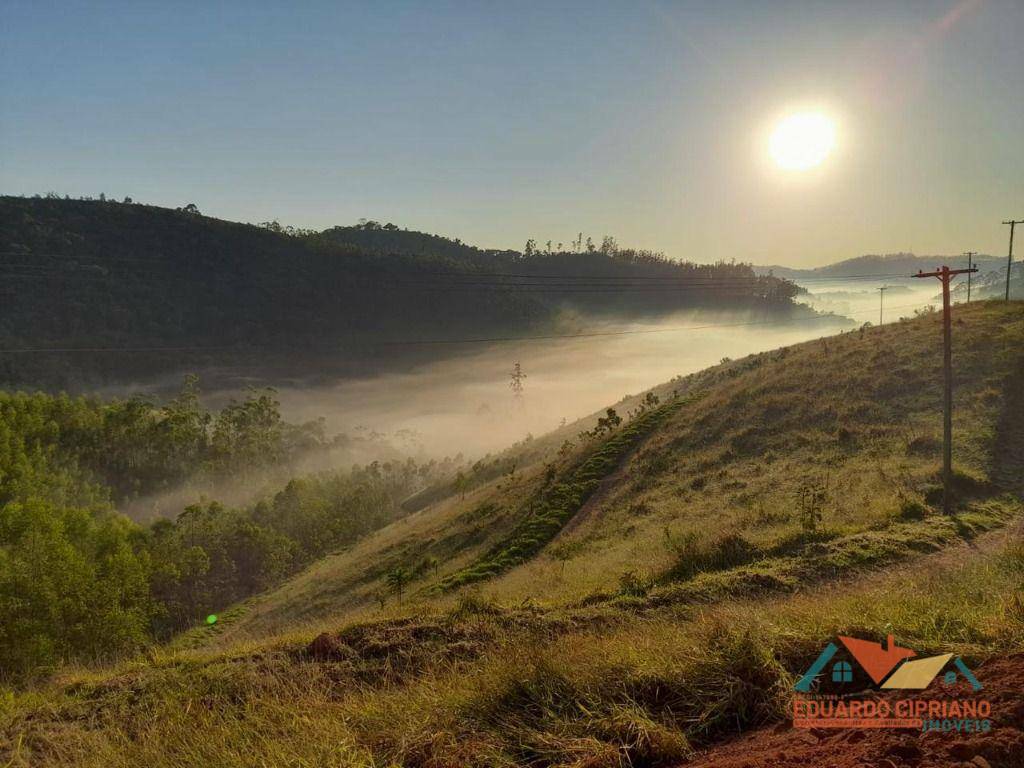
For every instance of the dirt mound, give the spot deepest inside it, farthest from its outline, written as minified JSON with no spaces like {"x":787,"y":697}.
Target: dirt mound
{"x":326,"y":647}
{"x":1002,"y":747}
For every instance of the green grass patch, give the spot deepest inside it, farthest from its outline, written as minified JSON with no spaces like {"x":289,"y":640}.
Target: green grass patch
{"x":553,"y":506}
{"x":822,"y":558}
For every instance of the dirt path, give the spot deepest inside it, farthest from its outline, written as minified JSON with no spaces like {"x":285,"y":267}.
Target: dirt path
{"x":604,"y":489}
{"x":951,"y":556}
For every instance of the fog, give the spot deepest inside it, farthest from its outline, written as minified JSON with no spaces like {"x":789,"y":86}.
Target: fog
{"x":464,"y":403}
{"x":859,"y":300}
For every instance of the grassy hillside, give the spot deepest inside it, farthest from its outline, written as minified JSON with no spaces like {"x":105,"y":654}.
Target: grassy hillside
{"x":722,"y":472}
{"x":180,"y":291}
{"x":638,"y":593}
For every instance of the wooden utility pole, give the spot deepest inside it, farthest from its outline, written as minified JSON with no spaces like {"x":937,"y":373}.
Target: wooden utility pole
{"x":1009,"y":258}
{"x":970,"y":255}
{"x":945,"y":274}
{"x":881,"y":298}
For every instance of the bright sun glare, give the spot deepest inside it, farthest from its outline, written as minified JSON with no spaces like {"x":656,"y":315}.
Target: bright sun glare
{"x":802,"y":141}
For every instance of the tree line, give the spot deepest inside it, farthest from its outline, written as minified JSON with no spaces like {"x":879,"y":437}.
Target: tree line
{"x":79,"y":581}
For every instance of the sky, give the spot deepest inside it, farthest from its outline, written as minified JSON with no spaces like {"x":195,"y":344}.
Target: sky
{"x":496,"y":122}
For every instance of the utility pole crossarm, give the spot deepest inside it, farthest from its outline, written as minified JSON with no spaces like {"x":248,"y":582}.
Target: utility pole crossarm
{"x":940,"y":273}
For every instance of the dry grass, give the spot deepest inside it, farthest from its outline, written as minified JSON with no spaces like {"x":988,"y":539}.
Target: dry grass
{"x":550,"y":664}
{"x":857,"y":417}
{"x":601,"y":694}
{"x":855,"y":414}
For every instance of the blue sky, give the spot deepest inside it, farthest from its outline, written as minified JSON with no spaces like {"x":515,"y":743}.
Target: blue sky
{"x":496,"y":122}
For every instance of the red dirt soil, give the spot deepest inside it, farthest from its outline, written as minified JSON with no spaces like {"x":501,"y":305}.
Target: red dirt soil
{"x":1002,"y":747}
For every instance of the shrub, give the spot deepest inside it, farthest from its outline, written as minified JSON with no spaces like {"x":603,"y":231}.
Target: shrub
{"x":798,"y":541}
{"x":962,"y":486}
{"x":811,"y":497}
{"x":639,"y":509}
{"x":924,"y":445}
{"x":693,"y":557}
{"x":632,"y":585}
{"x":472,"y":603}
{"x":912,"y":509}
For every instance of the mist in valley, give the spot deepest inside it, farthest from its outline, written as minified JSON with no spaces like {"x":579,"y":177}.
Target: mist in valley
{"x":465,"y":405}
{"x":859,"y":299}
{"x":459,"y":405}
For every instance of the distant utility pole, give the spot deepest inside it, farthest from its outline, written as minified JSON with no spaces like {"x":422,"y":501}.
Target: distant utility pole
{"x":516,"y":382}
{"x":1009,"y":258}
{"x":881,"y":299}
{"x":945,"y":274}
{"x":970,"y":255}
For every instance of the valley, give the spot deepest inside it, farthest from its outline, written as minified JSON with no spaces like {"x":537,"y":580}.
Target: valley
{"x":588,"y":384}
{"x":644,"y":591}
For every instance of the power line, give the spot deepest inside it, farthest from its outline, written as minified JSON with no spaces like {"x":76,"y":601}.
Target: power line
{"x":412,"y":279}
{"x":755,"y":286}
{"x":466,"y":276}
{"x":74,"y":257}
{"x":523,"y":280}
{"x":594,"y":289}
{"x":422,"y":342}
{"x":738,"y":288}
{"x":598,"y":281}
{"x":624,"y":333}
{"x":688,"y":278}
{"x":671,"y":265}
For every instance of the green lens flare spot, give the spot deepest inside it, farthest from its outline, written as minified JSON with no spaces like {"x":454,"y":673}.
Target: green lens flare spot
{"x":211,"y":619}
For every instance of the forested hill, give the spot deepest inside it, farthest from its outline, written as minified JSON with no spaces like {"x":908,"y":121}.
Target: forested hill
{"x":179,"y":289}
{"x":389,"y":238}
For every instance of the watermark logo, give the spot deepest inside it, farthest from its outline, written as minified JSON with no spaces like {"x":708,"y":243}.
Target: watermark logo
{"x":845,"y":687}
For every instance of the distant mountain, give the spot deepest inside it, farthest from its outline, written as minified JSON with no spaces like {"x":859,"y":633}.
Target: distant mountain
{"x":889,"y":264}
{"x":125,"y":291}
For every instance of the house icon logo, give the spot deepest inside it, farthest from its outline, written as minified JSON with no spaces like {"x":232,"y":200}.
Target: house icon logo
{"x":885,"y":667}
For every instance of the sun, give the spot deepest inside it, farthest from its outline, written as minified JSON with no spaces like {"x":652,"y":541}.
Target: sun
{"x":802,"y":141}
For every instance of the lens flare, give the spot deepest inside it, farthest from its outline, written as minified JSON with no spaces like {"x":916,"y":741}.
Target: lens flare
{"x":802,"y":141}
